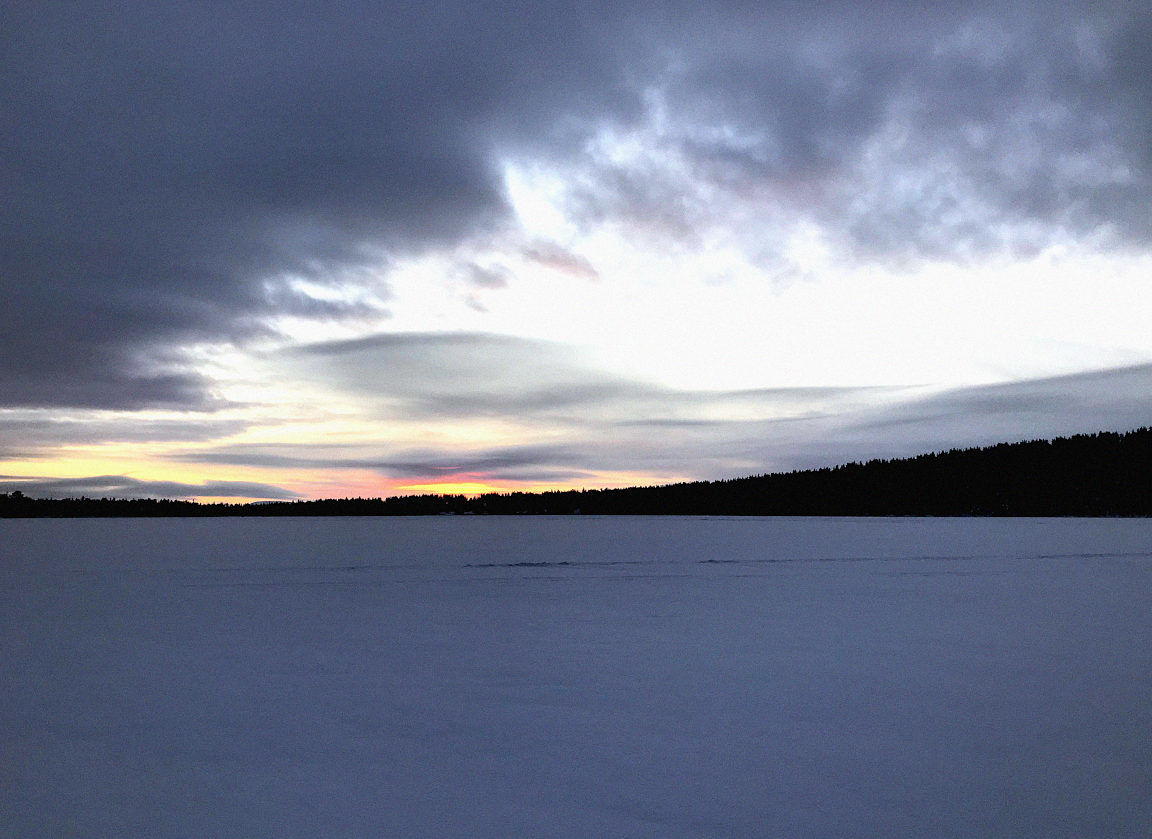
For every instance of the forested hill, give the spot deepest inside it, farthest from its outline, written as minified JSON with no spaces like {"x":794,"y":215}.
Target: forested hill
{"x":1104,"y":474}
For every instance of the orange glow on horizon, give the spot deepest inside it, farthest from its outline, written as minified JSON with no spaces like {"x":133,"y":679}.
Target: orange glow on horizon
{"x":470,"y":488}
{"x":478,"y":485}
{"x":124,"y":470}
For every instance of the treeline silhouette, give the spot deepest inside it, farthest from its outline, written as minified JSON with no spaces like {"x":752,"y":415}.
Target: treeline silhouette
{"x":1105,"y":474}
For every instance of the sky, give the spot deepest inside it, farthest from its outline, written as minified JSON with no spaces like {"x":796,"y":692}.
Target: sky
{"x":300,"y":250}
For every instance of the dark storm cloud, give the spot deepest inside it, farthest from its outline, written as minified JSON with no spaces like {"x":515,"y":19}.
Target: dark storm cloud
{"x":1132,"y":78}
{"x":81,"y":376}
{"x":908,"y":131}
{"x":120,"y":486}
{"x":162,"y":160}
{"x":1008,"y":146}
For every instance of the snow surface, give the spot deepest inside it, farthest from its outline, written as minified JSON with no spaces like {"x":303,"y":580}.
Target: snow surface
{"x":576,"y":677}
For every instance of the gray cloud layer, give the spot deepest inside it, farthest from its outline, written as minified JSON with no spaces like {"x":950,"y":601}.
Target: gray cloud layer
{"x":38,"y":433}
{"x":612,"y":424}
{"x":817,"y":427}
{"x":162,"y":160}
{"x":120,"y":486}
{"x":469,"y":375}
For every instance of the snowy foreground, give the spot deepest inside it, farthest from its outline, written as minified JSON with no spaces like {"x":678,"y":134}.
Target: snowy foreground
{"x":576,"y":677}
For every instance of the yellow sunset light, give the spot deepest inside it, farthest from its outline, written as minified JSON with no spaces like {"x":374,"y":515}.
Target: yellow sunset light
{"x":452,"y":488}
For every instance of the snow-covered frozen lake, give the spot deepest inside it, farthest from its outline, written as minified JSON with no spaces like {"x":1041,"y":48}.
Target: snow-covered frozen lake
{"x":576,"y":677}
